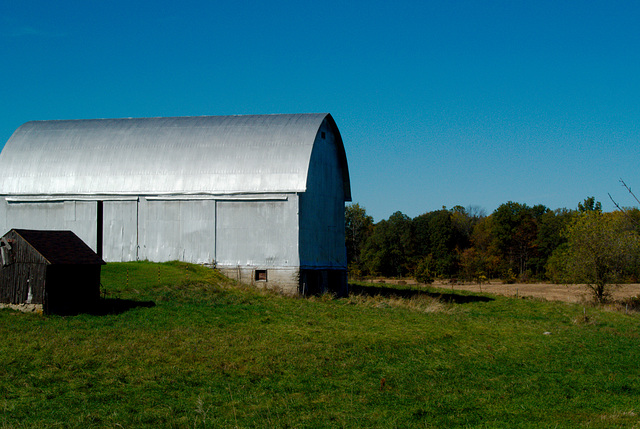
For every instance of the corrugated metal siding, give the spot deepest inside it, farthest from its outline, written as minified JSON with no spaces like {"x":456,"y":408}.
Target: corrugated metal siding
{"x":120,"y":231}
{"x":76,"y":216}
{"x":156,"y":156}
{"x":257,"y":233}
{"x":177,"y":230}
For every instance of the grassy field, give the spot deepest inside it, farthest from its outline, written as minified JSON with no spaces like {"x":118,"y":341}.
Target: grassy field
{"x":179,"y":346}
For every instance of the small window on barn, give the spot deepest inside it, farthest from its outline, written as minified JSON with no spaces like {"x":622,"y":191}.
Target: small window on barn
{"x":261,"y":275}
{"x":323,"y":134}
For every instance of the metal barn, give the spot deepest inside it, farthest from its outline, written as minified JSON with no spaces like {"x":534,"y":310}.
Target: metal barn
{"x":261,"y":197}
{"x":55,"y":269}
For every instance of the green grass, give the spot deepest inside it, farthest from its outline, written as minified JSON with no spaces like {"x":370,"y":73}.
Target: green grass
{"x":209,"y":353}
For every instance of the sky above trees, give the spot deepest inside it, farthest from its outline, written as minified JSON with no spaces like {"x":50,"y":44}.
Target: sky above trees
{"x":439,"y":103}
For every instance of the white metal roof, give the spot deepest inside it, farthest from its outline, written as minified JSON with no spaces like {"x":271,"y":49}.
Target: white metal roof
{"x":164,"y":156}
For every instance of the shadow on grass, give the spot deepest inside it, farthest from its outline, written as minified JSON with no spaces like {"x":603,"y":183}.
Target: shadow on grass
{"x":118,"y":306}
{"x":104,"y":307}
{"x":390,"y":291}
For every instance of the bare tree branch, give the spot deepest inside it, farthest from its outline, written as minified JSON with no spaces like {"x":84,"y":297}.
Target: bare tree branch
{"x":633,"y":220}
{"x":629,"y":189}
{"x":615,"y":203}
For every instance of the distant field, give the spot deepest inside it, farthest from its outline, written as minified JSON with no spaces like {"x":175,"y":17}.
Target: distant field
{"x":549,"y":291}
{"x":179,"y":346}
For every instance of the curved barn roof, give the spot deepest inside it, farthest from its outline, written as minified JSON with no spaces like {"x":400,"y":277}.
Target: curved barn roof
{"x":164,"y":156}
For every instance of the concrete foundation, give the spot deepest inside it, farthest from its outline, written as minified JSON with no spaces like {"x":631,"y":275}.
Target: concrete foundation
{"x":292,"y":281}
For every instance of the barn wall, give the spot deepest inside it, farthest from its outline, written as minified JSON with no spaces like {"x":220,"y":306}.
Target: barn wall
{"x":314,"y":281}
{"x":198,"y":230}
{"x":120,"y":231}
{"x":261,"y":233}
{"x":177,"y":230}
{"x":322,"y":240}
{"x":82,"y":221}
{"x":255,"y":231}
{"x":77,"y":216}
{"x":37,"y":215}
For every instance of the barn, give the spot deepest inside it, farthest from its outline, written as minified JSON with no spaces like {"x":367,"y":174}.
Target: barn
{"x":54,"y":269}
{"x":261,"y":197}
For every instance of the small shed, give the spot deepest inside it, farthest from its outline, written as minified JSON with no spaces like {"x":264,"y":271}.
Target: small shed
{"x":55,"y":269}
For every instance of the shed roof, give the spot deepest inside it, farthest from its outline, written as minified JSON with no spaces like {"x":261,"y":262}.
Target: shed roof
{"x":164,"y":156}
{"x":60,"y":247}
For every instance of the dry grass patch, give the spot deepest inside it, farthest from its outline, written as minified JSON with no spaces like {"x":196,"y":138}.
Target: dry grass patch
{"x":421,"y":303}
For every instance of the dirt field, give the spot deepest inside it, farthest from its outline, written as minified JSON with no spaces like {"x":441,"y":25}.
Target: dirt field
{"x":568,"y":293}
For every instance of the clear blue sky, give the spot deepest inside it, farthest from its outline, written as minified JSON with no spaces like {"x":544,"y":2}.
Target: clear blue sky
{"x":439,"y":103}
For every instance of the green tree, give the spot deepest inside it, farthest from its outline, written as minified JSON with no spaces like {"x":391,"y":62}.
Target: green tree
{"x":601,"y":250}
{"x":551,"y":235}
{"x":357,"y":229}
{"x":514,"y":232}
{"x":464,"y":220}
{"x":435,"y":237}
{"x":424,"y":271}
{"x":389,"y":249}
{"x":481,"y":258}
{"x":590,"y":205}
{"x":442,"y":236}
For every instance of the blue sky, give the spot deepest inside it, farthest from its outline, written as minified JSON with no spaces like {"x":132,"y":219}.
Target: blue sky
{"x":439,"y":103}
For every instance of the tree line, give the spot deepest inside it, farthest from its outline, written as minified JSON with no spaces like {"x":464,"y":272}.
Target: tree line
{"x":516,"y":242}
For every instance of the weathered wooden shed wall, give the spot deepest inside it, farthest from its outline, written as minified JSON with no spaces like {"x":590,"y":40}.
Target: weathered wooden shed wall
{"x":54,"y":269}
{"x":23,"y":272}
